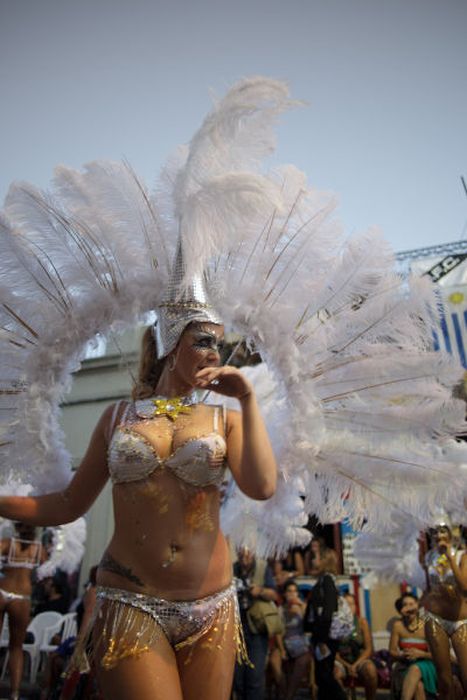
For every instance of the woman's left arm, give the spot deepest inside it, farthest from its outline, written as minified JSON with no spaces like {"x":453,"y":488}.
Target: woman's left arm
{"x":249,"y":451}
{"x":459,"y":570}
{"x":367,"y":650}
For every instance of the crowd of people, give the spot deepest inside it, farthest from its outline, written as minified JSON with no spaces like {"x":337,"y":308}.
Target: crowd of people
{"x":288,"y":612}
{"x":302,"y":647}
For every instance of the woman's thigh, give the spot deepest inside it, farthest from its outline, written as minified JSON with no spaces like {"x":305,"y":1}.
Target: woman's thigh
{"x":132,"y":657}
{"x":438,"y":642}
{"x":19,"y":613}
{"x":153,"y":675}
{"x":459,"y":643}
{"x":206,"y":667}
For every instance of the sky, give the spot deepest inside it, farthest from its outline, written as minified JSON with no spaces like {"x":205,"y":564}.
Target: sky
{"x":384,"y":127}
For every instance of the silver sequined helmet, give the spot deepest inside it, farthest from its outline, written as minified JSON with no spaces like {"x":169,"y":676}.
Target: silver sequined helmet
{"x":184,"y":303}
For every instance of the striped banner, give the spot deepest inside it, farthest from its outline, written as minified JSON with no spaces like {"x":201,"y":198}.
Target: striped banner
{"x":450,"y":277}
{"x":452,"y":332}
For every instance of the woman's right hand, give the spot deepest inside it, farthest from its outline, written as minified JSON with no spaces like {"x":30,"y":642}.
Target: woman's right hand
{"x":412,"y":654}
{"x":352,"y":669}
{"x":226,"y":380}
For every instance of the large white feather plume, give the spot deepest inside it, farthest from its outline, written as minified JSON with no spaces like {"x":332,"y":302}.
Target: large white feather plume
{"x":68,"y":542}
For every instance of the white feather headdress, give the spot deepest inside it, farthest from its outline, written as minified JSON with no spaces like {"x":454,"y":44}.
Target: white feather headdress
{"x":366,"y":416}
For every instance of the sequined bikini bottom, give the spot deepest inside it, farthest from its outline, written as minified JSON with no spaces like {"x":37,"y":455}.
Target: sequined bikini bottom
{"x":449,"y":626}
{"x":9,"y":596}
{"x":131,"y":623}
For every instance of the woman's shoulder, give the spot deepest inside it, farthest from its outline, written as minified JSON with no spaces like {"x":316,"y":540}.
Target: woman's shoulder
{"x":397,"y":626}
{"x":114,"y":409}
{"x":112,"y":415}
{"x":363,"y":623}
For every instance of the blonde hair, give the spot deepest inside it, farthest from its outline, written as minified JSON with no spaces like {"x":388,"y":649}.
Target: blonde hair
{"x":150,"y":368}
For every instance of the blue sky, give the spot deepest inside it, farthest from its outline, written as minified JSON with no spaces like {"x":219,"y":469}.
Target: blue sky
{"x":385,"y":126}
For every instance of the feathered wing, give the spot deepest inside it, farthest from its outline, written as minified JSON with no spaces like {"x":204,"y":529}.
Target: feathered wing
{"x":366,"y":412}
{"x":91,"y":257}
{"x":370,"y":410}
{"x":67,"y":550}
{"x":370,"y":404}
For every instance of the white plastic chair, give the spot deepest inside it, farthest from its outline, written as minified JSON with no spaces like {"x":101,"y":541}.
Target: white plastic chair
{"x":45,"y":645}
{"x":70,"y":626}
{"x":5,"y":634}
{"x":4,"y":637}
{"x":67,"y":627}
{"x":37,"y":627}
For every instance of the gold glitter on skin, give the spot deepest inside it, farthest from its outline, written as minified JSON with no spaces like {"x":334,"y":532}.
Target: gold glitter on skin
{"x":198,"y":516}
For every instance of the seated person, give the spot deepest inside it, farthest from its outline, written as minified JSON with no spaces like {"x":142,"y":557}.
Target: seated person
{"x":292,"y":647}
{"x":54,"y":597}
{"x":353,"y":656}
{"x":414,"y":673}
{"x":313,"y":555}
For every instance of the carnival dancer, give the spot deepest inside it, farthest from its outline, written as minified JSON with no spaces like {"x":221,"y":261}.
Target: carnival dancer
{"x":21,"y":554}
{"x":166,"y":624}
{"x":445,"y":603}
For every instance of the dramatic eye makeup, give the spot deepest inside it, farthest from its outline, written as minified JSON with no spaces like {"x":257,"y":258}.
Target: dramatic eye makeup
{"x":203,"y":340}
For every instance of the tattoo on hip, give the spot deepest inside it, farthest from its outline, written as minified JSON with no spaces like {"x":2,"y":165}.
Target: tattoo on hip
{"x":108,"y":563}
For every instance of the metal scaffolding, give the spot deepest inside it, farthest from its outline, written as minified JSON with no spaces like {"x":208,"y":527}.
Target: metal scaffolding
{"x":441,"y":250}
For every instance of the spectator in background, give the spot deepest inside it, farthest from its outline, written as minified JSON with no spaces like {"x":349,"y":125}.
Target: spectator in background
{"x":288,"y":568}
{"x":292,"y":649}
{"x":313,"y":556}
{"x":322,"y":604}
{"x":413,"y":674}
{"x":353,"y":656}
{"x":54,"y":597}
{"x":254,"y":582}
{"x":53,"y":680}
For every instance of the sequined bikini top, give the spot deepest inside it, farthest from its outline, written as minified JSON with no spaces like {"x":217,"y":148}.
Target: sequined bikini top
{"x":199,"y":462}
{"x":439,"y":571}
{"x":14,"y":560}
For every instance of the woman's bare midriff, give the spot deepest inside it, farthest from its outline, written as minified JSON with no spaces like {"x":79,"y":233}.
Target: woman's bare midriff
{"x":446,"y":602}
{"x":167,"y":540}
{"x":16,"y":580}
